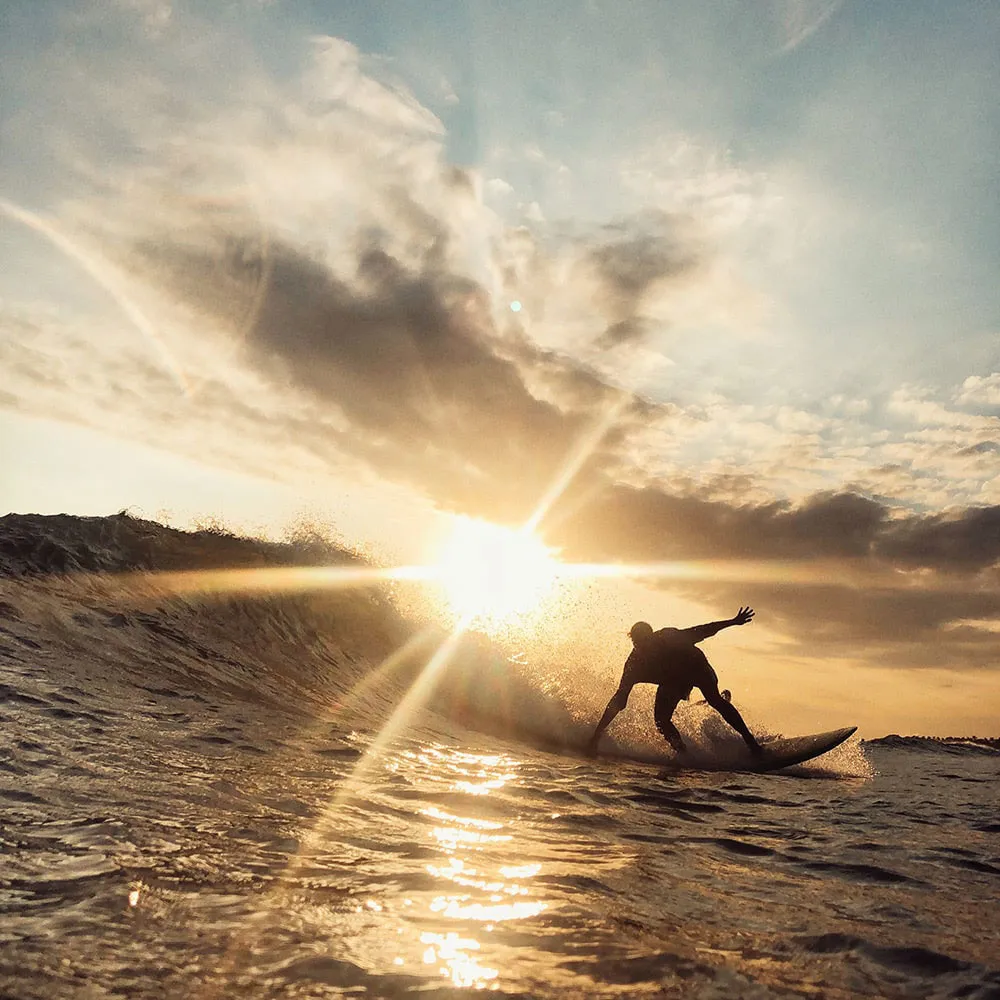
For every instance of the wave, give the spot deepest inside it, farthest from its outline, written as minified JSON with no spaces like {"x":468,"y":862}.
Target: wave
{"x":954,"y":745}
{"x":105,"y":601}
{"x":48,"y":544}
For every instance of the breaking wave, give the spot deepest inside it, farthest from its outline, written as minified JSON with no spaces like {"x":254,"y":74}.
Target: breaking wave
{"x":953,"y":745}
{"x":100,"y":593}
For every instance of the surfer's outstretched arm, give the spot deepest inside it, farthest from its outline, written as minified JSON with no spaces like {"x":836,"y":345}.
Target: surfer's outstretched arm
{"x":731,"y":714}
{"x":618,"y":701}
{"x":699,"y":632}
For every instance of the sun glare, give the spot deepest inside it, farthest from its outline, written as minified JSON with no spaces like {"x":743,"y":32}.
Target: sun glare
{"x":491,"y":574}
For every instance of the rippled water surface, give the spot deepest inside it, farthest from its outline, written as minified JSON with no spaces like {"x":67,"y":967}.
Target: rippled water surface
{"x":168,"y":837}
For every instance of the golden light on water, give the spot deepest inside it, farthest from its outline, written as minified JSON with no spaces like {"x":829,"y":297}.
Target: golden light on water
{"x":480,"y":824}
{"x":452,"y":952}
{"x":520,"y":871}
{"x":451,"y":838}
{"x":458,"y":908}
{"x":485,"y":887}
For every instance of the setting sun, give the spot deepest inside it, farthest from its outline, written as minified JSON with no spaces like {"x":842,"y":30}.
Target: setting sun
{"x":491,"y":574}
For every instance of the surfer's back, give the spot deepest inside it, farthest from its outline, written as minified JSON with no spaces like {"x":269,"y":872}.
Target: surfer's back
{"x":670,"y":654}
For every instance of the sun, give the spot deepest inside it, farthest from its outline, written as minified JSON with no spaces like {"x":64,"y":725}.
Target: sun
{"x":491,"y":575}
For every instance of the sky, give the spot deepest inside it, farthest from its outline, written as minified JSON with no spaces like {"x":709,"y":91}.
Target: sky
{"x":717,"y":281}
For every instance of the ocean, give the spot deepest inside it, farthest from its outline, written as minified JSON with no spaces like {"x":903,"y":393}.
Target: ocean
{"x":238,"y":795}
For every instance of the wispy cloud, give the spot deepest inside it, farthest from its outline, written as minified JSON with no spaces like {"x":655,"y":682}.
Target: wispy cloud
{"x":800,"y":19}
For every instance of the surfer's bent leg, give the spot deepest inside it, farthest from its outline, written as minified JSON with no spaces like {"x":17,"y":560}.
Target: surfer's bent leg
{"x":730,"y":713}
{"x":663,"y":709}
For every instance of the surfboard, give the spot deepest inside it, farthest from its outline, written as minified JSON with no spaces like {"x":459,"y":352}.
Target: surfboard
{"x":777,"y":754}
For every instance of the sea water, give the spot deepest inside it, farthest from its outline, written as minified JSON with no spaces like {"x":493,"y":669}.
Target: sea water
{"x":202,"y":800}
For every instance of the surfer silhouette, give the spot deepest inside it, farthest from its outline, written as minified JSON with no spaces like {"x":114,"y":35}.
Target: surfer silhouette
{"x":671,"y":659}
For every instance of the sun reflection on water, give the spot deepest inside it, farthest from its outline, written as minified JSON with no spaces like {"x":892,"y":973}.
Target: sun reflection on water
{"x":458,"y":908}
{"x":520,"y":871}
{"x":482,"y":787}
{"x":486,"y":884}
{"x":482,"y":824}
{"x":450,"y":838}
{"x":457,"y":964}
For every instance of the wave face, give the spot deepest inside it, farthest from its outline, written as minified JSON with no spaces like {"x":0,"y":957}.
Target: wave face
{"x":951,"y":745}
{"x":200,"y":798}
{"x":152,"y":598}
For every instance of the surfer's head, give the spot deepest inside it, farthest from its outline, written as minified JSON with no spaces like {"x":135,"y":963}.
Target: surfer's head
{"x":640,"y":633}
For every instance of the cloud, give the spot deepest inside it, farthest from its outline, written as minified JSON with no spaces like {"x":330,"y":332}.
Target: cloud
{"x":965,"y":541}
{"x":321,"y":227}
{"x":635,"y":259}
{"x":981,"y":389}
{"x":860,"y":575}
{"x":800,"y":19}
{"x":338,"y":74}
{"x":651,"y":524}
{"x":155,"y":15}
{"x":411,"y":358}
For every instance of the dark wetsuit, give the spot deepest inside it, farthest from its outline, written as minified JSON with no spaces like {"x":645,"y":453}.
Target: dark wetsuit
{"x":671,"y":660}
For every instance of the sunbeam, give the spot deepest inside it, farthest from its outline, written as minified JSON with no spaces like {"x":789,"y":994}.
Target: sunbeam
{"x":286,"y":579}
{"x":414,"y":699}
{"x":817,"y":573}
{"x":396,"y":659}
{"x":583,"y":449}
{"x":540,"y":568}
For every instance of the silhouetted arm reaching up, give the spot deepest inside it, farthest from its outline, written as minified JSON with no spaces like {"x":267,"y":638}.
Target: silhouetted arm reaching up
{"x":699,"y":632}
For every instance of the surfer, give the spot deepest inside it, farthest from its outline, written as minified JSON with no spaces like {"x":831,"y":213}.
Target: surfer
{"x":671,"y":659}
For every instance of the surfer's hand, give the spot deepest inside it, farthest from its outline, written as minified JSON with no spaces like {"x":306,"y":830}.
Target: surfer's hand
{"x":743,"y":616}
{"x":756,"y":750}
{"x":591,"y":748}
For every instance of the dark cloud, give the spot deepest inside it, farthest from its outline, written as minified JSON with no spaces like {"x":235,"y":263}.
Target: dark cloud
{"x":964,"y":542}
{"x":625,"y":331}
{"x":641,"y":524}
{"x":904,"y":628}
{"x":983,"y":448}
{"x":865,"y":578}
{"x":650,"y":524}
{"x":411,"y":358}
{"x":637,"y":257}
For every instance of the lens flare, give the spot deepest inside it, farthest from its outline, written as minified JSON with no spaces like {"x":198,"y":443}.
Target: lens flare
{"x":105,"y":274}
